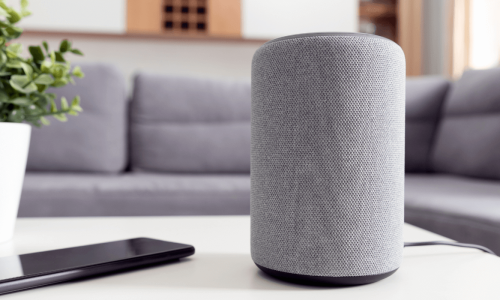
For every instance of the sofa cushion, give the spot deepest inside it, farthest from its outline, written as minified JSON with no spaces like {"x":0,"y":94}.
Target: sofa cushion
{"x":468,"y":138}
{"x":133,"y":194}
{"x":464,"y":209}
{"x":424,"y":98}
{"x":190,"y":125}
{"x":95,"y":141}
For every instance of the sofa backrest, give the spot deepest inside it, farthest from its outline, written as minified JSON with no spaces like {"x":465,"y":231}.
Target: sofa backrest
{"x":468,"y":138}
{"x":94,"y":141}
{"x":190,"y":125}
{"x":424,"y":98}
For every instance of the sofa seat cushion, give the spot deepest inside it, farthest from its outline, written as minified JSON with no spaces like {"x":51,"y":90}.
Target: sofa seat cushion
{"x":464,"y":209}
{"x":62,"y":195}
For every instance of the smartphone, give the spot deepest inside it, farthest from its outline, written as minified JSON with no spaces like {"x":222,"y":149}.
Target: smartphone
{"x":32,"y":270}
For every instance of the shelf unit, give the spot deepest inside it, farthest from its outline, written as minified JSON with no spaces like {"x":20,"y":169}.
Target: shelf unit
{"x":211,"y":18}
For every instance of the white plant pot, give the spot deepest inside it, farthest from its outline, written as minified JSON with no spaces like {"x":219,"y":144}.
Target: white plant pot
{"x":14,"y":145}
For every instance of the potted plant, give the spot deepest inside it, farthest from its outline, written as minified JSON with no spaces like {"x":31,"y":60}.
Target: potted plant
{"x":24,"y":99}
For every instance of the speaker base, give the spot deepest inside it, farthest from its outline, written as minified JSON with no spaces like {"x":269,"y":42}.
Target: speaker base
{"x":324,"y":280}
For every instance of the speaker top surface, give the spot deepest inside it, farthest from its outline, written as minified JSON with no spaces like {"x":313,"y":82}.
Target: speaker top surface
{"x":327,"y":34}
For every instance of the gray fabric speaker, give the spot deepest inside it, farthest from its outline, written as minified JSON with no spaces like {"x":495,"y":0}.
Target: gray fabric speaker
{"x":327,"y":158}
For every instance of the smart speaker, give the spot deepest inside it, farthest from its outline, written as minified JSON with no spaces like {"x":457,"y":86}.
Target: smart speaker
{"x":327,"y":158}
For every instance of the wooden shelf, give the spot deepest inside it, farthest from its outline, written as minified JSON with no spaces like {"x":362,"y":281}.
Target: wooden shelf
{"x":150,"y":36}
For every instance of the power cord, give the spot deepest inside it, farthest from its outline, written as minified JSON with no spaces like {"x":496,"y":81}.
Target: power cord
{"x":433,"y":243}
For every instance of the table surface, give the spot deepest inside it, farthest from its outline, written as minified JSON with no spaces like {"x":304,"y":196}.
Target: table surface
{"x":222,"y":267}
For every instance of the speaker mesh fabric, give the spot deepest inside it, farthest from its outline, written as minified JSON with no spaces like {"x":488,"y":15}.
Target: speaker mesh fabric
{"x":327,"y":155}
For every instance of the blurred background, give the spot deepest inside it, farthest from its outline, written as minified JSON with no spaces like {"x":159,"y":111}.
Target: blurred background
{"x":217,"y":38}
{"x":166,"y":97}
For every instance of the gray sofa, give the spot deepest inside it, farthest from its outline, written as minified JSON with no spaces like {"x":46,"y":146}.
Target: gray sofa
{"x":181,"y":146}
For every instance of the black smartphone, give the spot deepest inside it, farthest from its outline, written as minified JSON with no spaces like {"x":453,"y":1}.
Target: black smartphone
{"x":32,"y":270}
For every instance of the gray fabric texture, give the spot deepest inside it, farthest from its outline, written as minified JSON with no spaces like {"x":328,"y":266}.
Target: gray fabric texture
{"x":468,"y":138}
{"x":190,"y":125}
{"x":424,"y":98}
{"x":464,"y":209}
{"x":328,"y":155}
{"x":70,"y":194}
{"x":94,"y":141}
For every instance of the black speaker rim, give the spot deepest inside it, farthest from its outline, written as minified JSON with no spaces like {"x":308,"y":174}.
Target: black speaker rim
{"x":325,"y":280}
{"x":320,"y":34}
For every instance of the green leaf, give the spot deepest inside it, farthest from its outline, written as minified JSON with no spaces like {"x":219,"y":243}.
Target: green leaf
{"x":61,"y":117}
{"x":53,"y":57}
{"x":59,"y":70}
{"x":28,"y":70}
{"x":24,"y":8}
{"x":64,"y":103}
{"x":14,"y":50}
{"x":45,"y":46}
{"x":14,"y":16}
{"x":46,"y":66}
{"x":75,"y":104}
{"x":64,"y":46}
{"x":41,"y":87}
{"x":15,"y":29}
{"x":59,"y":57}
{"x":3,"y":12}
{"x":75,"y":101}
{"x":3,"y":57}
{"x":77,"y":71}
{"x":53,"y":106}
{"x":12,"y":32}
{"x":44,"y":79}
{"x":22,"y":101}
{"x":3,"y":97}
{"x":44,"y":121}
{"x":23,"y":84}
{"x":4,"y":73}
{"x":14,"y":64}
{"x":73,"y":113}
{"x":37,"y":53}
{"x":76,"y":51}
{"x":58,"y":82}
{"x":15,"y":116}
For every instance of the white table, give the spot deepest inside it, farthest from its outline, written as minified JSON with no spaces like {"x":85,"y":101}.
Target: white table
{"x":222,"y":267}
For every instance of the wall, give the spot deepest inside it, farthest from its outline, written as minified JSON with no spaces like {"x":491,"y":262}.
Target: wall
{"x":99,"y":16}
{"x":275,"y":18}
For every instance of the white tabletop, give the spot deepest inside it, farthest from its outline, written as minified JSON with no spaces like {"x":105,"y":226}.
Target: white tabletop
{"x":222,"y":267}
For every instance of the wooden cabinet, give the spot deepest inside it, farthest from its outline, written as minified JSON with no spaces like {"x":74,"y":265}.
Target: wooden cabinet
{"x":216,"y":18}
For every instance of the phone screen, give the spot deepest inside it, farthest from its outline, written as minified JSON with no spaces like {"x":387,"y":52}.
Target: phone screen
{"x":73,"y":258}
